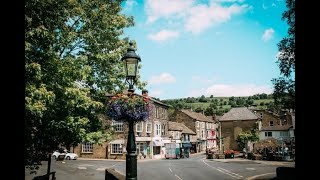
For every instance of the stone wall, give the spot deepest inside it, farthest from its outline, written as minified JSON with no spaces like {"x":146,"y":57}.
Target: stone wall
{"x":231,"y":129}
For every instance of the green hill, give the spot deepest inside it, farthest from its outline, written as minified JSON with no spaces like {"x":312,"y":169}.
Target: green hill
{"x":220,"y":105}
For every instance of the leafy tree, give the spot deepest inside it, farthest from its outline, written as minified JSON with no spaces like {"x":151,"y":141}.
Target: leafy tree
{"x":72,"y":58}
{"x":209,"y":111}
{"x":198,"y":110}
{"x":211,"y":96}
{"x":284,"y":86}
{"x":245,"y":136}
{"x":202,"y":99}
{"x":249,"y":102}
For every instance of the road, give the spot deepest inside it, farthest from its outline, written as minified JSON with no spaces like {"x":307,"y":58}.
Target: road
{"x":195,"y":167}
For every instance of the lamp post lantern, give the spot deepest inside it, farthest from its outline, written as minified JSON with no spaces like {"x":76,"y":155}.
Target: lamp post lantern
{"x":131,"y":60}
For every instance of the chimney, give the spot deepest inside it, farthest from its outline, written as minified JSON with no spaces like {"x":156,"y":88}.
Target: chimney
{"x":145,"y":93}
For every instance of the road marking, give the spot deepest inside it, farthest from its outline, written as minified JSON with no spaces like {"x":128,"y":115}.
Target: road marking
{"x":252,"y":169}
{"x":230,"y":172}
{"x":86,"y":165}
{"x":170,"y":169}
{"x":253,"y":177}
{"x":82,"y":168}
{"x":101,"y":169}
{"x":178,"y":177}
{"x":224,"y":171}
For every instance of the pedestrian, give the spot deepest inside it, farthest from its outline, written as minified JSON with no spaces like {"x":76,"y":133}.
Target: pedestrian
{"x":244,"y":152}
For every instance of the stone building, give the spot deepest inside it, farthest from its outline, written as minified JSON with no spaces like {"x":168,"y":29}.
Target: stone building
{"x":202,"y":125}
{"x":233,"y":122}
{"x":150,"y":137}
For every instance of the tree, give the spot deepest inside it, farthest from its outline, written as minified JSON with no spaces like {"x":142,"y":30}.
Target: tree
{"x":72,"y":59}
{"x":246,"y":136}
{"x":284,"y":86}
{"x":209,"y":111}
{"x":202,"y":99}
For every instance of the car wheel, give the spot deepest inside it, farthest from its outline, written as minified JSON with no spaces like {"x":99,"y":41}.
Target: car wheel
{"x":68,"y":158}
{"x":54,"y":157}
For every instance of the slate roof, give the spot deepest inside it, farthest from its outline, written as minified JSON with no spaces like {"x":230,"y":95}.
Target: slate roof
{"x":175,"y":126}
{"x":276,"y":128}
{"x":197,"y":116}
{"x":240,"y":113}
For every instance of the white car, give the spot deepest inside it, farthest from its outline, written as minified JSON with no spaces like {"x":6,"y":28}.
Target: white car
{"x":71,"y":155}
{"x":68,"y":155}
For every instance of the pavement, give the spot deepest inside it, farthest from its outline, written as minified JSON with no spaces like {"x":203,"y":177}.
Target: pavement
{"x":248,"y":161}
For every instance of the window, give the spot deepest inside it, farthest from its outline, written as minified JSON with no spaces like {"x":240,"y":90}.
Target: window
{"x":117,"y":126}
{"x":163,"y":130}
{"x":284,"y":133}
{"x":202,"y":134}
{"x":149,"y":125}
{"x":208,"y":133}
{"x":198,"y":133}
{"x":87,"y":147}
{"x":197,"y":124}
{"x":116,"y":148}
{"x":270,"y":123}
{"x":268,"y":134}
{"x":139,"y":126}
{"x":158,"y":129}
{"x":202,"y":124}
{"x":177,"y":135}
{"x":140,"y":148}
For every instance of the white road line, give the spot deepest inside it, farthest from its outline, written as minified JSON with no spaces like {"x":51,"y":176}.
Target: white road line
{"x":178,"y":177}
{"x":101,"y":169}
{"x":223,"y":171}
{"x":253,"y":177}
{"x":252,"y":169}
{"x":230,"y":172}
{"x":170,"y":169}
{"x":86,"y":165}
{"x":82,"y":168}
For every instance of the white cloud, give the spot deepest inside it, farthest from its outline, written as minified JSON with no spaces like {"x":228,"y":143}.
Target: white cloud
{"x":268,"y":34}
{"x":156,"y":9}
{"x":264,"y":6}
{"x":195,"y":16}
{"x":163,"y":35}
{"x":224,"y":90}
{"x":155,"y":93}
{"x":163,"y":78}
{"x":129,"y":4}
{"x":202,"y":17}
{"x":200,"y":79}
{"x":227,"y":1}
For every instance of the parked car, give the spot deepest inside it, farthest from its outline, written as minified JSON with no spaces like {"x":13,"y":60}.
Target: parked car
{"x":71,"y":155}
{"x":56,"y":153}
{"x":68,"y":155}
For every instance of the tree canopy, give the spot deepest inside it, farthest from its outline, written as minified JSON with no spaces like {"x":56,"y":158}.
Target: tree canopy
{"x":284,"y":86}
{"x":72,"y":59}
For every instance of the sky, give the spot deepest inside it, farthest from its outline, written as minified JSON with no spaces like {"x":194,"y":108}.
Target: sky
{"x":223,"y":48}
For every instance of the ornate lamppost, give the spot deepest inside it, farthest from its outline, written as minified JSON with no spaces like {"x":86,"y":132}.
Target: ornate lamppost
{"x":131,"y":60}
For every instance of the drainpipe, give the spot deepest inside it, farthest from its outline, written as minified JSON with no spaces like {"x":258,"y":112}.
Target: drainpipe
{"x":220,"y":142}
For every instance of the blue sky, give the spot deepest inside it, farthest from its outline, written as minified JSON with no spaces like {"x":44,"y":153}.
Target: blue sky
{"x":190,"y":48}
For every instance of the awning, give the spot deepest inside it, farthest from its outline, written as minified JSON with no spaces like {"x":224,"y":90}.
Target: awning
{"x":186,"y":145}
{"x":157,"y":142}
{"x":117,"y":141}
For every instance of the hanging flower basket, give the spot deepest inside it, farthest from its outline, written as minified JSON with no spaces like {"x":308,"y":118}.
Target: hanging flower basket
{"x":124,"y":108}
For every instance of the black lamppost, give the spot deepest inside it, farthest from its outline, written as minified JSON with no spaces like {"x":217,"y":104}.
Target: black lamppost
{"x":131,"y":60}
